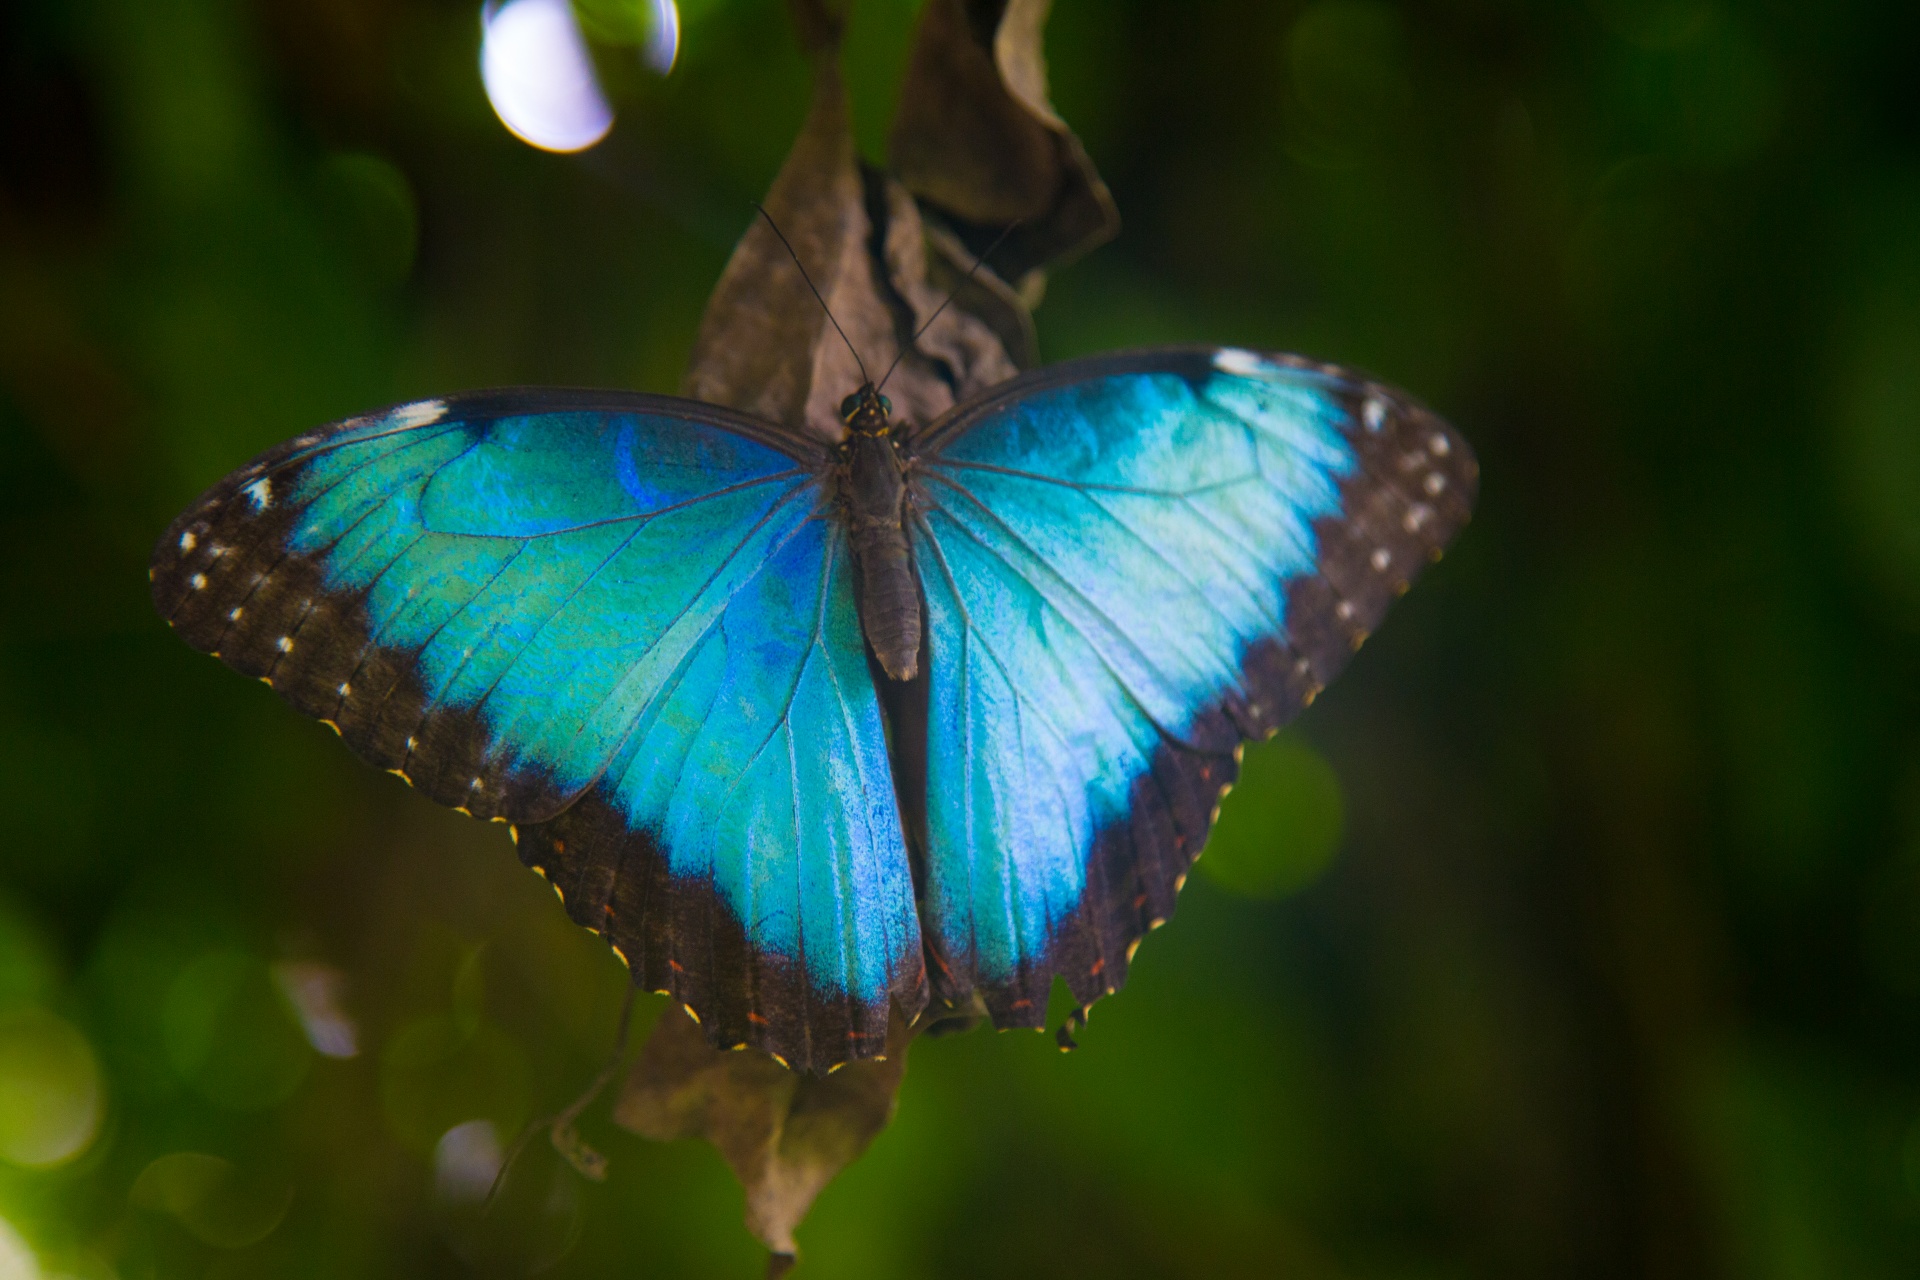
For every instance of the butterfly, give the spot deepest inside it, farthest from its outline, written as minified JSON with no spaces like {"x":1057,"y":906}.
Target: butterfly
{"x":807,"y":732}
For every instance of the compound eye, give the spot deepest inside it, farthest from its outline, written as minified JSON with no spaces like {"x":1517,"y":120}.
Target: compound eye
{"x":848,"y":405}
{"x":886,"y":405}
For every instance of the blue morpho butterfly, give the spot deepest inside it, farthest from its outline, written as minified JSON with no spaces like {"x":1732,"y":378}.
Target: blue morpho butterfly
{"x":804,"y":732}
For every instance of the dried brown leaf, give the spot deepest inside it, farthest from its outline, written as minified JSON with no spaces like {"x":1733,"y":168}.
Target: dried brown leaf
{"x":785,"y":1135}
{"x":765,"y":346}
{"x":977,"y":139}
{"x":765,"y":343}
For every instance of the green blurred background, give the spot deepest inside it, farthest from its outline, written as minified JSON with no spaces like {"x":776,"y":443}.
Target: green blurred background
{"x":1576,"y":932}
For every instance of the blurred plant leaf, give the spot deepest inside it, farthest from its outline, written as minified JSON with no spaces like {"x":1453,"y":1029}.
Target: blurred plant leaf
{"x":51,"y":1092}
{"x":229,"y":1033}
{"x":785,"y":1135}
{"x":1281,"y":827}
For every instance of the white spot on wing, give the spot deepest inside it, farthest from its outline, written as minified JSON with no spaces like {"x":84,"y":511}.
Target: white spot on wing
{"x":261,"y":491}
{"x":1375,"y":413}
{"x":1381,"y":559}
{"x":418,"y":414}
{"x":188,"y":542}
{"x":1240,"y":363}
{"x":197,"y":581}
{"x":346,"y":690}
{"x":1435,"y":483}
{"x":286,"y":644}
{"x":1440,"y":445}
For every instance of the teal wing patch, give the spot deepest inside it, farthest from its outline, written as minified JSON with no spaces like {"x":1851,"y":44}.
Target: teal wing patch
{"x":1131,"y":564}
{"x":593,"y":612}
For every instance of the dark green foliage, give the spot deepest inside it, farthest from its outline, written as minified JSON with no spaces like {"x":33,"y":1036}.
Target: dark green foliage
{"x":1615,"y":969}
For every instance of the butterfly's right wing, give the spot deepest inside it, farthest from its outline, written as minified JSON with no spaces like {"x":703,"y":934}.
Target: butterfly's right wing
{"x":1131,"y":563}
{"x":618,"y":623}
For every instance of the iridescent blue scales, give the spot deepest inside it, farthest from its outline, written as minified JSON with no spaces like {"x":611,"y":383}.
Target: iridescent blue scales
{"x":629,"y":626}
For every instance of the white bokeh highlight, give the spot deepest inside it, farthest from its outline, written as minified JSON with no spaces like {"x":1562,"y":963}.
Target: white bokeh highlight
{"x":539,"y":75}
{"x":663,"y":37}
{"x":16,"y":1256}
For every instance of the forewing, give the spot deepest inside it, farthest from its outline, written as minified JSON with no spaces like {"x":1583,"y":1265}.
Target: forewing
{"x":594,"y":614}
{"x":1132,"y":564}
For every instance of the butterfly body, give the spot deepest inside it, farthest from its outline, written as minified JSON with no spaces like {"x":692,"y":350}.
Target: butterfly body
{"x":874,"y":485}
{"x":813,"y":734}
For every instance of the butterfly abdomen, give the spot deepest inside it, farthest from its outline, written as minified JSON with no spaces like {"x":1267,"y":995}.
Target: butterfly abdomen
{"x":874,"y":489}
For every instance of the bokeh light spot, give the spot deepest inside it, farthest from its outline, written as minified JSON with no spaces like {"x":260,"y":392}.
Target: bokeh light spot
{"x":436,"y":1073}
{"x":1346,"y":60}
{"x":372,"y":208}
{"x":50,"y":1089}
{"x":229,"y":1033}
{"x":27,"y":967}
{"x":504,"y":1218}
{"x":1714,"y":99}
{"x":212,"y":1198}
{"x":539,"y":75}
{"x":315,"y":991}
{"x":1281,"y":826}
{"x":17,"y":1261}
{"x":466,"y":1161}
{"x":662,"y":48}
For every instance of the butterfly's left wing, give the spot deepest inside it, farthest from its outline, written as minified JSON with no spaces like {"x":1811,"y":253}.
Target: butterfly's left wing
{"x":1131,"y":564}
{"x":621,"y":623}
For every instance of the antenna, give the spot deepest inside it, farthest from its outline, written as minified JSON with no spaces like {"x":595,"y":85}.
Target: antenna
{"x":864,"y":375}
{"x":972,"y":271}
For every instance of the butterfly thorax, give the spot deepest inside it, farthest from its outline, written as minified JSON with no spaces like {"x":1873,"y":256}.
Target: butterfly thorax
{"x":873,"y":494}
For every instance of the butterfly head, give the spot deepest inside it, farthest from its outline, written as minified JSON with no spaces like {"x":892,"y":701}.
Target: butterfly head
{"x":865,"y":411}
